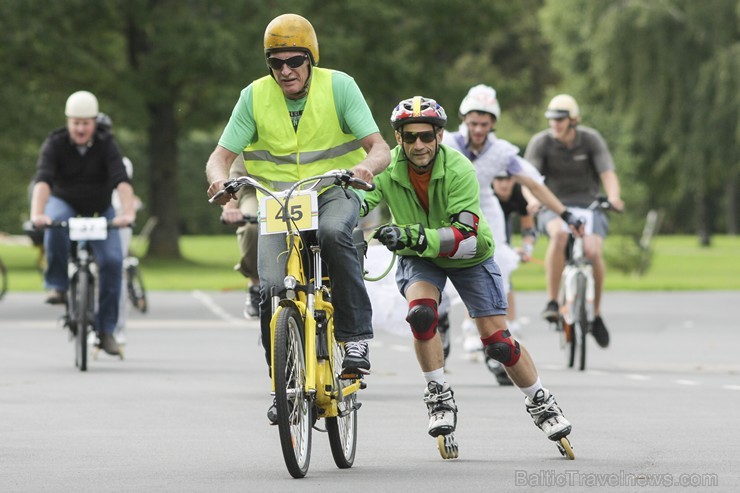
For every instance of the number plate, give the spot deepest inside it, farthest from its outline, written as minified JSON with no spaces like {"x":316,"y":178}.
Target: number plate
{"x":304,"y":211}
{"x":88,"y":228}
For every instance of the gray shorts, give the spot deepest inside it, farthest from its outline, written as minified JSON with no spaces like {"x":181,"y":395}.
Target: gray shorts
{"x":600,"y":227}
{"x":480,"y":287}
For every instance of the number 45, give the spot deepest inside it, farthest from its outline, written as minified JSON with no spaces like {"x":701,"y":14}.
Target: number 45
{"x":296,"y":213}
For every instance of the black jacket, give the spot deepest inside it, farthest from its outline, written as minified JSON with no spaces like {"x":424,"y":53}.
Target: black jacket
{"x":86,"y":181}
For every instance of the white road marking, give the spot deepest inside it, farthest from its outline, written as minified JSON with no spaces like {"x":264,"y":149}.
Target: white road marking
{"x":731,"y":387}
{"x":635,"y":376}
{"x":213,"y":307}
{"x":402,"y":349}
{"x":689,"y":383}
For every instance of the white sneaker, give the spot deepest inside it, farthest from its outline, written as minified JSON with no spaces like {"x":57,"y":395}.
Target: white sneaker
{"x":547,"y":415}
{"x":440,"y":401}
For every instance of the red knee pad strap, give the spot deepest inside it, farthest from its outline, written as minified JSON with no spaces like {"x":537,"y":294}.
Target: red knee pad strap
{"x":502,"y":347}
{"x":423,"y":318}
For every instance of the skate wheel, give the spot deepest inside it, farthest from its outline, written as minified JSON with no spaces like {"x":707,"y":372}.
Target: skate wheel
{"x":447,"y":446}
{"x":121,"y":352}
{"x":565,"y":448}
{"x":95,"y":352}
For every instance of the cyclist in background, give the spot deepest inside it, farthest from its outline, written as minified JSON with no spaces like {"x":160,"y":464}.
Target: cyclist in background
{"x":300,"y":121}
{"x":104,"y":123}
{"x":511,"y":196}
{"x":78,"y":168}
{"x":491,"y":156}
{"x":439,"y":233}
{"x":575,"y":161}
{"x":247,"y":235}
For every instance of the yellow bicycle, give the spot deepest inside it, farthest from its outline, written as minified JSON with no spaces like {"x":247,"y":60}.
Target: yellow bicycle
{"x":307,"y":379}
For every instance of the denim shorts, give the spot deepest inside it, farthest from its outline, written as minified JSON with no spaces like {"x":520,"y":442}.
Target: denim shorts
{"x":480,"y":287}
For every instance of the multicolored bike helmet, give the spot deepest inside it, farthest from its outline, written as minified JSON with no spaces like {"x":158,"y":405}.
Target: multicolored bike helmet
{"x":418,"y":110}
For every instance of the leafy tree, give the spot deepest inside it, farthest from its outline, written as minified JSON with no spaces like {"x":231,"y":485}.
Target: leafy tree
{"x":664,"y":73}
{"x":169,"y":72}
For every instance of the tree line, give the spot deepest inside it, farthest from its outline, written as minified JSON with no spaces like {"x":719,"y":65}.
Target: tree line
{"x":658,"y":78}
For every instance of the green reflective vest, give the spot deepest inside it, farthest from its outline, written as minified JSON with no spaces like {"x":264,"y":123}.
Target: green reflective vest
{"x":281,"y":155}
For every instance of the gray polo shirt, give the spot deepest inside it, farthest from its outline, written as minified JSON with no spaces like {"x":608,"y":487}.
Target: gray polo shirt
{"x":573,"y":174}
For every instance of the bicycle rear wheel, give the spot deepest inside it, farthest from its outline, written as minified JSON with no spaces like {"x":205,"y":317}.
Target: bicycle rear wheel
{"x":82,"y":297}
{"x":3,"y":279}
{"x":581,"y":320}
{"x":294,"y":410}
{"x":136,"y":290}
{"x":342,"y":428}
{"x":567,"y":341}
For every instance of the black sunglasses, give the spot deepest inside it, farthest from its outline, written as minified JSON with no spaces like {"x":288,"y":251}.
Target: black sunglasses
{"x":293,"y":62}
{"x":426,"y":137}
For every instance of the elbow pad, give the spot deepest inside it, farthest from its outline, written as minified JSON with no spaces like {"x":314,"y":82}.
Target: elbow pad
{"x":460,"y":240}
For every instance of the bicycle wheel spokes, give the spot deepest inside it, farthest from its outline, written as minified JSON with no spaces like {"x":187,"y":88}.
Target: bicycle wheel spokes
{"x":342,"y":429}
{"x":293,"y":406}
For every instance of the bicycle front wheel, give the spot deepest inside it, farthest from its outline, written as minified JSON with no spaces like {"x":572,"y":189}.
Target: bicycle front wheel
{"x":294,"y":410}
{"x":82,"y":298}
{"x":581,"y":320}
{"x":342,"y":428}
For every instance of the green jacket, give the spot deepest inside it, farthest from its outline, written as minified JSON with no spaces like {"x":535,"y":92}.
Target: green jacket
{"x":453,"y":188}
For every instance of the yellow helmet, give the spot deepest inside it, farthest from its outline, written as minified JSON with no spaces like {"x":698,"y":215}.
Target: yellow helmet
{"x":291,"y":32}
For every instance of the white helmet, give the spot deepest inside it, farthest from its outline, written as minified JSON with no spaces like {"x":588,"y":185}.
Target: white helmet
{"x":563,"y":106}
{"x":82,"y":104}
{"x":481,"y":98}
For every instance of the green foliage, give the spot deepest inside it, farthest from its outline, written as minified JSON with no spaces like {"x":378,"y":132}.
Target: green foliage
{"x":662,"y":77}
{"x":658,"y":78}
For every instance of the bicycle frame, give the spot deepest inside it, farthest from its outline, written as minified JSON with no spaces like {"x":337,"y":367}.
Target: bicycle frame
{"x":310,"y":297}
{"x":576,"y":294}
{"x":577,"y":266}
{"x":320,"y":382}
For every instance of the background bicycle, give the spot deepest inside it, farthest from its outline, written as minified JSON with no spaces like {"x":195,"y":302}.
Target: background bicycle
{"x":81,"y":300}
{"x":3,"y":279}
{"x":577,"y":289}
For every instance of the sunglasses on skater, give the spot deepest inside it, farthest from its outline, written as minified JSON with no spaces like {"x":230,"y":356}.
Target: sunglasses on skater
{"x":426,"y":137}
{"x":293,"y":62}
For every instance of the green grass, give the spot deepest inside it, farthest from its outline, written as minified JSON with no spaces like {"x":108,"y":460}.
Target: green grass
{"x":679,"y":263}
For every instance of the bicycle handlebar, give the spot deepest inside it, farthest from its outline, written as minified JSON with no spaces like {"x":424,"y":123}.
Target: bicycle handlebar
{"x":30,"y":227}
{"x":603,"y":204}
{"x":342,"y":177}
{"x":246,"y":219}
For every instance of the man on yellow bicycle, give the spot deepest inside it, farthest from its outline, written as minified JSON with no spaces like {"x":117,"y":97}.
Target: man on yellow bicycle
{"x":440,"y":233}
{"x":301,"y":121}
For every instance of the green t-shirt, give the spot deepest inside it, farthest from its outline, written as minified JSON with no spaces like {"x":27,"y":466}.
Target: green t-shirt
{"x":353,"y":112}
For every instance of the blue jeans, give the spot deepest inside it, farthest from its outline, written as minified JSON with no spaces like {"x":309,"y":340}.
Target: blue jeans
{"x":108,"y":256}
{"x":338,"y":215}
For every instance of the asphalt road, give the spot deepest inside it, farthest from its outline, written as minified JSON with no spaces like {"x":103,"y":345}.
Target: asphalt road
{"x":185,"y":411}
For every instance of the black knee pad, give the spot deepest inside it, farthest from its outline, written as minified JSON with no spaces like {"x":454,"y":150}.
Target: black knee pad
{"x":423,"y":318}
{"x":503,"y":348}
